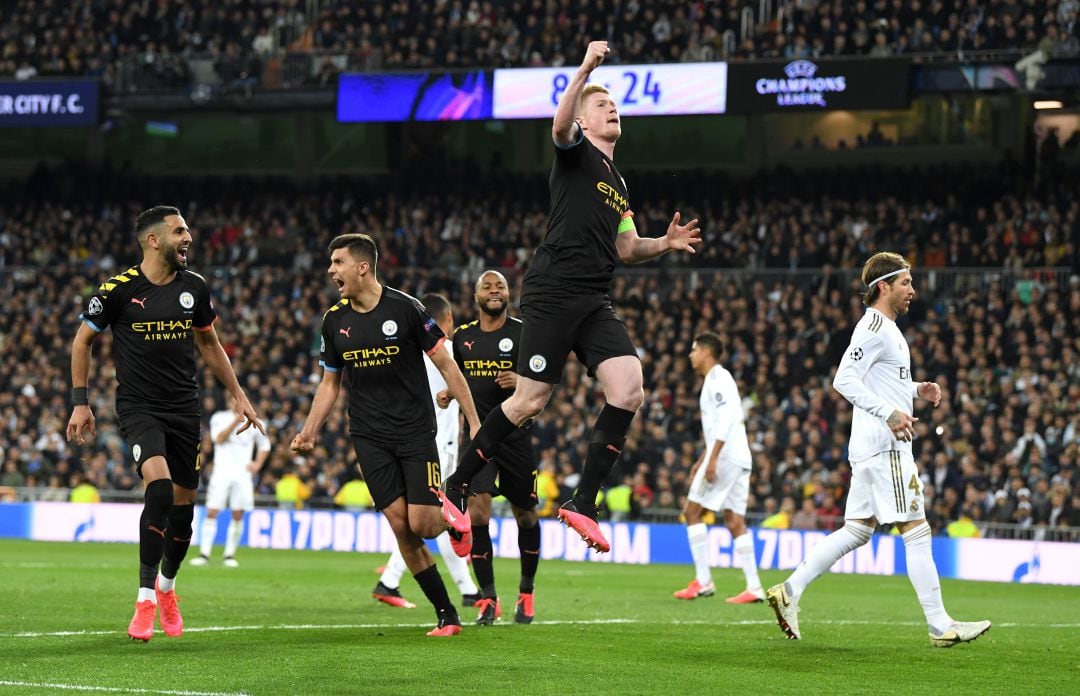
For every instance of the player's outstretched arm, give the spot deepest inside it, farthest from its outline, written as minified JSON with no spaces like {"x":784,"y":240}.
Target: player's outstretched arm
{"x":215,"y":357}
{"x":633,"y":248}
{"x":321,"y":406}
{"x":81,"y":425}
{"x":562,"y":126}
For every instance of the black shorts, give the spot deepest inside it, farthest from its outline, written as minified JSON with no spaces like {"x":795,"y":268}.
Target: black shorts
{"x":176,"y":437}
{"x":395,"y":469}
{"x":563,"y":318}
{"x":515,"y":467}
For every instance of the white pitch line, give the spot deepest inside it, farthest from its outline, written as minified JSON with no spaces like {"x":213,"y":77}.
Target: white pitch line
{"x":114,"y":690}
{"x":586,"y":622}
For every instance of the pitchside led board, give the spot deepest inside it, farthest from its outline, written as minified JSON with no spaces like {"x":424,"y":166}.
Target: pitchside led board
{"x":639,"y":90}
{"x":49,"y":103}
{"x":818,"y":85}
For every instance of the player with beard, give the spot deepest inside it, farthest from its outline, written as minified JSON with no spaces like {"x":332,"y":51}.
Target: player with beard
{"x":156,"y":311}
{"x":486,"y":350}
{"x":875,"y":376}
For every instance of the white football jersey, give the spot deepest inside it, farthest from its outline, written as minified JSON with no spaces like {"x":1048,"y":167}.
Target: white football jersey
{"x":875,"y":376}
{"x":232,"y":457}
{"x":447,"y":419}
{"x":722,"y":418}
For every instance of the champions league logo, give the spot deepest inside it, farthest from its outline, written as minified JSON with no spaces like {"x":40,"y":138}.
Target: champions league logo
{"x":801,"y":88}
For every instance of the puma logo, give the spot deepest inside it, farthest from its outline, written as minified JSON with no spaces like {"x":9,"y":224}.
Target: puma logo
{"x":482,"y":556}
{"x":141,"y":303}
{"x":468,"y":344}
{"x":614,"y":449}
{"x":345,"y":332}
{"x":155,"y":530}
{"x":532,"y":553}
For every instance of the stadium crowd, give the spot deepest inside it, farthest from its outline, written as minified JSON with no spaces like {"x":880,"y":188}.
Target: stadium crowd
{"x":1004,"y":446}
{"x":92,"y":37}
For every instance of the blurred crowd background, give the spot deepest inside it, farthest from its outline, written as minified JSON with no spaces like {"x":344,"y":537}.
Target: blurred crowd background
{"x":994,"y":323}
{"x":250,"y":44}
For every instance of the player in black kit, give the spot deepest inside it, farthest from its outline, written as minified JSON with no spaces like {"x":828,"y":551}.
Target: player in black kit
{"x":377,"y":336}
{"x":156,"y":310}
{"x":565,"y":301}
{"x":486,"y":350}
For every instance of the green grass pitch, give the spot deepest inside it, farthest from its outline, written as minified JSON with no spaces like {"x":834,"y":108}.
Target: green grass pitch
{"x":301,"y":622}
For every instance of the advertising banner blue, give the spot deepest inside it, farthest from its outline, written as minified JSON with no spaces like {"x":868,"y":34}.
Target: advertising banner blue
{"x":49,"y":103}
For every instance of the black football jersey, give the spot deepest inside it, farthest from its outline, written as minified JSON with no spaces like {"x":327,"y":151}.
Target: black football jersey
{"x":382,"y":355}
{"x":482,"y":355}
{"x":588,"y":200}
{"x":153,"y":343}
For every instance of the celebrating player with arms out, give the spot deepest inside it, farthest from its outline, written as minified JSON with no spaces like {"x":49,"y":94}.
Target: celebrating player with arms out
{"x":875,"y":376}
{"x":565,"y":302}
{"x":157,"y":310}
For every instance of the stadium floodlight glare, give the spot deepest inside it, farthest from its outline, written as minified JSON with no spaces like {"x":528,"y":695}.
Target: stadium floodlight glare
{"x":1048,"y":104}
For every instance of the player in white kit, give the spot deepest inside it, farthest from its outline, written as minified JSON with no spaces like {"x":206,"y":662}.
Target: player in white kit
{"x":448,"y":423}
{"x":237,"y":458}
{"x":720,"y":479}
{"x":875,"y":376}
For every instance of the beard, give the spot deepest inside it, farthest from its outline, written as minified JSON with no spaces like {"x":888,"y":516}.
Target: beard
{"x":172,"y":259}
{"x":493,"y":312}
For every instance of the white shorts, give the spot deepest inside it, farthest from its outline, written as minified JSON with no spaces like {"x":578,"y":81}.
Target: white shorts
{"x":729,"y":491}
{"x":230,"y":493}
{"x":886,"y":487}
{"x":447,"y":461}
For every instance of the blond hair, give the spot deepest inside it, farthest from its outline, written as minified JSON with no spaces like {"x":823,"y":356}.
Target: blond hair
{"x":880,"y":264}
{"x":590,"y":89}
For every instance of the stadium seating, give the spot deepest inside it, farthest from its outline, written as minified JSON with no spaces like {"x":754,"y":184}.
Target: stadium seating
{"x":997,"y":336}
{"x":245,"y":44}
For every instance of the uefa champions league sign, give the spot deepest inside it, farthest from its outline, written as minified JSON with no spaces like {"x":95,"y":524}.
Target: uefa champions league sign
{"x":817,"y":85}
{"x":802,"y":86}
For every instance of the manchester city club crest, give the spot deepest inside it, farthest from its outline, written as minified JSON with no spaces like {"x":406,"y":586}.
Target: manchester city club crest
{"x":506,"y":345}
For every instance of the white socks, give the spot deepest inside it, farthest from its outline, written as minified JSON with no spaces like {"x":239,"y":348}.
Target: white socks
{"x":147,"y":594}
{"x":822,"y":557}
{"x":922,"y":571}
{"x":698,"y":534}
{"x":164,"y":584}
{"x":395,"y":568}
{"x":206,"y":537}
{"x":232,"y":537}
{"x":744,"y":549}
{"x":458,"y":566}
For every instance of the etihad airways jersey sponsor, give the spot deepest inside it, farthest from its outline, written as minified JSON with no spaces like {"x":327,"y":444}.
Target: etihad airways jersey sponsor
{"x":589,"y":199}
{"x":875,"y":376}
{"x":482,"y":355}
{"x":153,"y":343}
{"x":381,"y":353}
{"x":722,"y":418}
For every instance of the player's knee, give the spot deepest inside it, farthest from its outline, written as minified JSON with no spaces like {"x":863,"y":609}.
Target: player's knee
{"x":628,"y":397}
{"x":158,"y":498}
{"x":860,"y":532}
{"x":526,"y":518}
